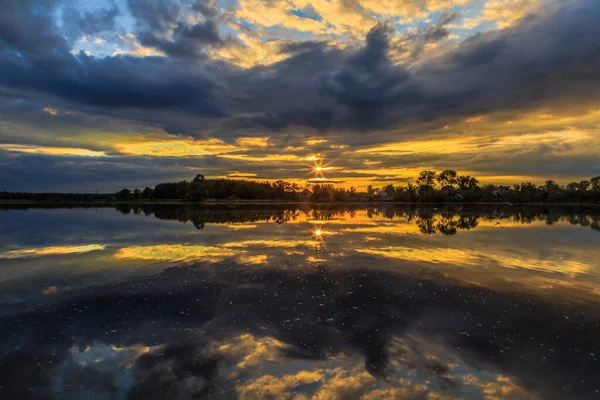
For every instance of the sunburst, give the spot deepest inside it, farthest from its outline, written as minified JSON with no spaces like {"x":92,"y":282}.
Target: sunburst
{"x":318,"y":169}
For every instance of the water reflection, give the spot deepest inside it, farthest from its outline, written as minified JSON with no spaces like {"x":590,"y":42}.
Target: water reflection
{"x":301,"y":303}
{"x":431,"y":220}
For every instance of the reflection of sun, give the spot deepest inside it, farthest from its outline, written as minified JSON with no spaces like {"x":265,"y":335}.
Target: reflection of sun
{"x":319,"y":235}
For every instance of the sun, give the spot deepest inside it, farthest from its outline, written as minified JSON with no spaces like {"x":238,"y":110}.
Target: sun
{"x":318,"y":169}
{"x":318,"y":232}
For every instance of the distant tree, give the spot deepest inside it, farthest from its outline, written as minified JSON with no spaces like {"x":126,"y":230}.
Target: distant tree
{"x":595,"y":182}
{"x":467,"y":182}
{"x":553,"y":191}
{"x":339,"y":194}
{"x":370,"y":190}
{"x":427,"y":178}
{"x":182,"y":189}
{"x":573,"y":186}
{"x":147,"y":193}
{"x":196,"y":192}
{"x":199,"y":178}
{"x":390,"y":190}
{"x":448,"y":178}
{"x":584,"y":186}
{"x":137,"y":194}
{"x":551,"y":186}
{"x":124,"y":194}
{"x":164,"y":191}
{"x":280,"y":187}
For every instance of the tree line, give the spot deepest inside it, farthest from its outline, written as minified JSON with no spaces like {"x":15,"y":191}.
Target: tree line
{"x":448,"y":220}
{"x":201,"y":188}
{"x":430,"y":186}
{"x":449,"y":186}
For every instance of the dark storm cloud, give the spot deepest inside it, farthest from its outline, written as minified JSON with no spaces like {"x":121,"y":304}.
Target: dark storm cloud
{"x":157,"y":19}
{"x":545,"y":59}
{"x":118,"y":82}
{"x":26,"y":26}
{"x":47,"y":119}
{"x":40,"y":60}
{"x":188,"y":41}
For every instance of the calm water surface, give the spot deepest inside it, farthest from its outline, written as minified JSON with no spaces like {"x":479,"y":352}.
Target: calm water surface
{"x":494,"y":302}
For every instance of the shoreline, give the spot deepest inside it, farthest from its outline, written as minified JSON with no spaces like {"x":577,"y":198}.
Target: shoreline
{"x":271,"y":202}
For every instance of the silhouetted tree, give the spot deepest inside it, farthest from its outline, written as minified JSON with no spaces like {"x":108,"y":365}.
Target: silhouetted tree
{"x":147,"y":193}
{"x":124,"y":194}
{"x":467,"y":182}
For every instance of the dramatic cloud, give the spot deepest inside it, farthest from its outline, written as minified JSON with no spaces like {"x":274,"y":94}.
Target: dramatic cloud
{"x":181,"y":68}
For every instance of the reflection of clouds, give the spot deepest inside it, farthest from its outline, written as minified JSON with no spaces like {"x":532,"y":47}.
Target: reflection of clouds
{"x":432,"y":317}
{"x":272,"y":243}
{"x":396,"y":229}
{"x":51,"y":251}
{"x":431,"y":255}
{"x":504,"y":388}
{"x":253,"y":259}
{"x":107,"y":357}
{"x":417,"y":369}
{"x":174,"y":252}
{"x":237,"y":227}
{"x":249,"y":351}
{"x":474,"y":258}
{"x":321,"y":333}
{"x":215,"y":253}
{"x":293,"y":253}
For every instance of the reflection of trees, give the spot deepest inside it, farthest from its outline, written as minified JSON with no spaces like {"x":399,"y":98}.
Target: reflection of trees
{"x":430,"y":220}
{"x":123,"y":208}
{"x":200,"y":216}
{"x":330,"y":213}
{"x":466,"y":222}
{"x":426,"y":224}
{"x":450,"y":221}
{"x":447,"y":226}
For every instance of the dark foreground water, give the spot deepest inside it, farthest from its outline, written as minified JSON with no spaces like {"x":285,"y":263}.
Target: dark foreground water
{"x":494,"y":302}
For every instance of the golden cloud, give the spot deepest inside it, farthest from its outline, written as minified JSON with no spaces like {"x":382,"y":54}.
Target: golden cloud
{"x":53,"y":151}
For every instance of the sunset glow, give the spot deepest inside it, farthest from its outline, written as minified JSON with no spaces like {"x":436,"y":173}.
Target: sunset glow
{"x":365,"y":94}
{"x":300,"y":199}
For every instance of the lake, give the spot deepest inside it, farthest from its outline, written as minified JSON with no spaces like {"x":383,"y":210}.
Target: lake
{"x":300,"y":302}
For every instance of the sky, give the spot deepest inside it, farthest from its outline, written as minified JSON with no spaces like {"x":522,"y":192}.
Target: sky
{"x":105,"y":94}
